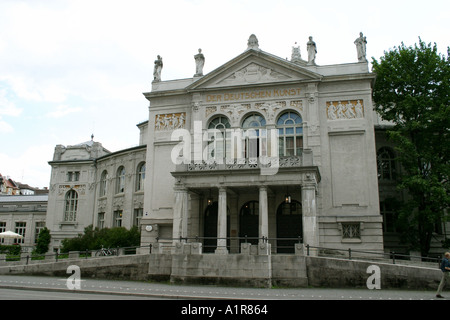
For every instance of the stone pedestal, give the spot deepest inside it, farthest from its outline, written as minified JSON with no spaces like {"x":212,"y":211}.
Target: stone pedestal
{"x":246,"y":248}
{"x":264,"y":249}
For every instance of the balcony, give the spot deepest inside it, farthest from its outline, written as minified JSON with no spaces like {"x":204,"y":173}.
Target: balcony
{"x":262,"y":163}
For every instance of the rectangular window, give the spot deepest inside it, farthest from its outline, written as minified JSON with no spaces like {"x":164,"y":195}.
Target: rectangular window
{"x":73,"y":176}
{"x":20,"y":229}
{"x":101,"y":220}
{"x":2,"y":229}
{"x":118,"y":218}
{"x":351,"y":231}
{"x":39,"y":226}
{"x":138,"y":213}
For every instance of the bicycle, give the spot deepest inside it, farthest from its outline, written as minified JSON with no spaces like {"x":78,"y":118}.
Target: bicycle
{"x":106,"y":252}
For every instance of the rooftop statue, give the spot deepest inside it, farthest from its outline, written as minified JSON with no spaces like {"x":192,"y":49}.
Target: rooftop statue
{"x":312,"y":50}
{"x":361,"y":47}
{"x":157,"y":69}
{"x":199,"y":63}
{"x":253,"y":43}
{"x":296,"y":56}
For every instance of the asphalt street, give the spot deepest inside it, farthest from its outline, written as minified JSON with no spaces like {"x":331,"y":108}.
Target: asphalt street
{"x":48,"y":286}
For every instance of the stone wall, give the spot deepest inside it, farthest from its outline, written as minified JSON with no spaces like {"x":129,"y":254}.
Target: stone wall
{"x":128,"y":267}
{"x":244,"y":270}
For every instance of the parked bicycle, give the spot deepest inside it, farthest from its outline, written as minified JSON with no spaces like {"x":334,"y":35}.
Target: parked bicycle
{"x":106,"y":252}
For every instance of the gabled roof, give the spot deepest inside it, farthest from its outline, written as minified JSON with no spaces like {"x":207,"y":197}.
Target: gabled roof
{"x":254,"y":67}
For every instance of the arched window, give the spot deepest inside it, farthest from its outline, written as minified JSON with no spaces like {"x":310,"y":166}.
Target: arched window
{"x":254,"y":136}
{"x":120,"y":180}
{"x":218,"y":141}
{"x":71,"y":206}
{"x":290,"y":134}
{"x":140,"y":176}
{"x":103,"y":183}
{"x":386,"y":164}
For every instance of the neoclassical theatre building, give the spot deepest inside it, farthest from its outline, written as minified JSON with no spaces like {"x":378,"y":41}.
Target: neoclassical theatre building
{"x":261,"y":150}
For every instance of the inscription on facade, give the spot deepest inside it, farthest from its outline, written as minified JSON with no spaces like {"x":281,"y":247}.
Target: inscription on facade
{"x":256,"y":94}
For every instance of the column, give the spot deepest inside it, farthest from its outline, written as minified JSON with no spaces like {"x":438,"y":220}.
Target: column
{"x":310,"y":222}
{"x":263,"y":247}
{"x":180,"y":214}
{"x":263,"y":213}
{"x":222,"y":222}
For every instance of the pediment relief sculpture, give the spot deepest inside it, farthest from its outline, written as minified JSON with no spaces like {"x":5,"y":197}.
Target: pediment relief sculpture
{"x":254,"y":73}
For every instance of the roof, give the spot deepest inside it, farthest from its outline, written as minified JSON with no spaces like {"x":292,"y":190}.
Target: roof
{"x":24,"y":198}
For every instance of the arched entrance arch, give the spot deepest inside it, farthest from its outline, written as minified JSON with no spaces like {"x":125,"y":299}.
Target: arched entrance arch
{"x":289,"y":225}
{"x":210,"y":228}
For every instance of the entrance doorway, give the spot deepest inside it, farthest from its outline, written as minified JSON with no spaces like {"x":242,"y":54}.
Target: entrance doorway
{"x":210,"y":228}
{"x":249,"y":222}
{"x":289,"y":226}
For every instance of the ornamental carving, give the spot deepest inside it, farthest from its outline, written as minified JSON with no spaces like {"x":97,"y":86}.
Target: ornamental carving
{"x":255,"y":73}
{"x":170,"y":121}
{"x":80,"y":189}
{"x":351,"y":109}
{"x":269,"y":109}
{"x":235,"y":110}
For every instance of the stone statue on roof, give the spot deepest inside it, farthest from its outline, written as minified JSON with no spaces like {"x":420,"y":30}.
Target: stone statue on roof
{"x":157,"y":69}
{"x":296,"y":56}
{"x":361,"y":47}
{"x":312,"y":50}
{"x":252,"y":43}
{"x":199,"y":63}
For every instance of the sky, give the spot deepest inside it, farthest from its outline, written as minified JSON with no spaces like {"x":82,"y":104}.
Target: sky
{"x":72,"y":68}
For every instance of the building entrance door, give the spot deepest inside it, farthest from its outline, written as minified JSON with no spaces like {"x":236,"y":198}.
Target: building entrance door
{"x":289,"y":226}
{"x":248,"y":222}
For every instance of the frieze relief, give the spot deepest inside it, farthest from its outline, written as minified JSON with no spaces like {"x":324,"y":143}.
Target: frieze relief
{"x":170,"y":121}
{"x":339,"y":110}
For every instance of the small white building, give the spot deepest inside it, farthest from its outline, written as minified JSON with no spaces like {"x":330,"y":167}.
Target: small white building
{"x":25,"y":215}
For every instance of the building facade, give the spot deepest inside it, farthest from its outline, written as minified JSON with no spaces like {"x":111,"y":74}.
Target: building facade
{"x":266,"y":150}
{"x":261,"y":150}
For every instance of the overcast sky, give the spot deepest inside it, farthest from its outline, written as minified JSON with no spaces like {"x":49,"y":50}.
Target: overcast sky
{"x":70,"y":68}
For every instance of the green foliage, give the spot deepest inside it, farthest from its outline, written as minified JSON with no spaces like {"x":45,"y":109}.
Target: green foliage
{"x":43,"y":241}
{"x":412,"y":91}
{"x":13,"y":249}
{"x":93,"y":239}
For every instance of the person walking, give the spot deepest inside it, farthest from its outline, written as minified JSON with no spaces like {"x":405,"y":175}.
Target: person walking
{"x":445,"y":267}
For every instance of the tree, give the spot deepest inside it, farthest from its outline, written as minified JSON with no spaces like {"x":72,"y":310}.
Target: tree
{"x":43,"y":241}
{"x":412,"y":91}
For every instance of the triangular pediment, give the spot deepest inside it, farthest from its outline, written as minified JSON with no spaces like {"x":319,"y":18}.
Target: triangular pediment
{"x":254,"y":67}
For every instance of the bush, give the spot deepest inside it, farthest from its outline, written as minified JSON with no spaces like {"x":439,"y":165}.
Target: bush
{"x":93,"y":239}
{"x":13,"y":249}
